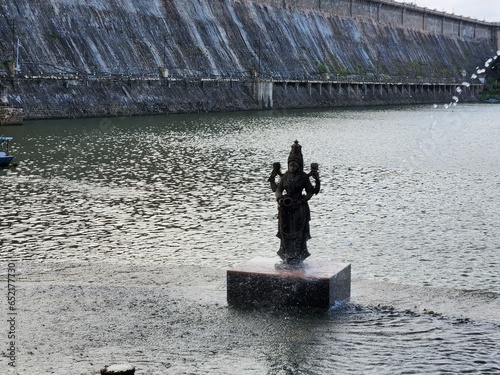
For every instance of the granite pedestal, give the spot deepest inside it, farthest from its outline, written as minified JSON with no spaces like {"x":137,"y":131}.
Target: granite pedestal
{"x":317,"y":285}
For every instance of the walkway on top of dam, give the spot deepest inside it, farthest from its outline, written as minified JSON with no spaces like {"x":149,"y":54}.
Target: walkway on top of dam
{"x":343,"y":80}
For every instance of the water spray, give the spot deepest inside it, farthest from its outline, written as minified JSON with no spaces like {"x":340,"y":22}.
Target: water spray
{"x":479,"y":71}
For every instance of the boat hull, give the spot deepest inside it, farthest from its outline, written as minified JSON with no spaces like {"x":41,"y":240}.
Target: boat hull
{"x":5,"y":160}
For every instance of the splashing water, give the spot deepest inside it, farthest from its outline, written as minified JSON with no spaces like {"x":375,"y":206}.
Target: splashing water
{"x":459,"y":90}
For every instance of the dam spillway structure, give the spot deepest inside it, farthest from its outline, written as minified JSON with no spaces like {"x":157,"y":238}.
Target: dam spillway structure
{"x":83,"y":59}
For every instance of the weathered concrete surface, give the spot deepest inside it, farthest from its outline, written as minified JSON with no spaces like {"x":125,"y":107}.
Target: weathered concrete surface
{"x":80,"y":98}
{"x":59,"y":98}
{"x":204,"y":38}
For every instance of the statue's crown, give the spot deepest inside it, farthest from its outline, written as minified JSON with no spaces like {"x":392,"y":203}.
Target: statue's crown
{"x":296,"y":155}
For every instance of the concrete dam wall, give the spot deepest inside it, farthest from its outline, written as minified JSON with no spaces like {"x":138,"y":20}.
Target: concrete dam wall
{"x":123,"y":57}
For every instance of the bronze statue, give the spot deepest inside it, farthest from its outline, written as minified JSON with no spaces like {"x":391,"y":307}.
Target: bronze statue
{"x":293,"y":209}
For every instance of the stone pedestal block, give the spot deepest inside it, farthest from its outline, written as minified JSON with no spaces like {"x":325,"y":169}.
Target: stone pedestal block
{"x":124,"y":369}
{"x":317,"y":285}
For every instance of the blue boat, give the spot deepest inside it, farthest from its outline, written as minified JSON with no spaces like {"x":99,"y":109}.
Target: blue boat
{"x":5,"y":157}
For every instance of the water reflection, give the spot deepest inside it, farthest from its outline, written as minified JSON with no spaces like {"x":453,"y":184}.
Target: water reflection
{"x":408,"y":195}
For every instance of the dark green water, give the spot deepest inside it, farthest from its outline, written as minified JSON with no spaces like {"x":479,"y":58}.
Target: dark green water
{"x":402,"y":189}
{"x":410,"y":196}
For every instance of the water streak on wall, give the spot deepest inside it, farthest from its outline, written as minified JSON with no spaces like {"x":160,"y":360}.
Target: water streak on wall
{"x":91,"y":41}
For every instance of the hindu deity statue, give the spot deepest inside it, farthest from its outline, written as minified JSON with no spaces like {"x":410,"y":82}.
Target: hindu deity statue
{"x":293,"y":190}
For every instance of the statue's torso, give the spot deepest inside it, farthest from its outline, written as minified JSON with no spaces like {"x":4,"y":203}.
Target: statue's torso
{"x":294,"y":184}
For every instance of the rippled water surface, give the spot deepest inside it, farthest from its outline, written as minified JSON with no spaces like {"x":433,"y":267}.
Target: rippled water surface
{"x":409,"y":196}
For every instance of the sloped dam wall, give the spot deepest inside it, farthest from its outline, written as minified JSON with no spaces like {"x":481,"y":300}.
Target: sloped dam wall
{"x":77,"y":58}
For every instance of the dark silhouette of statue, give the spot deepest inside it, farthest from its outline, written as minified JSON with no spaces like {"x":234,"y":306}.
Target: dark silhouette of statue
{"x":293,"y":191}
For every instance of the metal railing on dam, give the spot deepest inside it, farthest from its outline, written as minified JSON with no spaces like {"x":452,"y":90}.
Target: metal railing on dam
{"x":188,"y":75}
{"x":334,"y":80}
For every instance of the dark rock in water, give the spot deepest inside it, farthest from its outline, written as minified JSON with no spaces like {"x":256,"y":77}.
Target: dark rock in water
{"x":124,"y":369}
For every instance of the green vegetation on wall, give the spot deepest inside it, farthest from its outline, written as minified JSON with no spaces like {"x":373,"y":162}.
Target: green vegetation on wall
{"x":492,"y":87}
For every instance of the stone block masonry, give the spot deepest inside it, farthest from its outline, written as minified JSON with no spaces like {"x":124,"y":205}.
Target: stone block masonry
{"x":81,"y":59}
{"x":72,"y":98}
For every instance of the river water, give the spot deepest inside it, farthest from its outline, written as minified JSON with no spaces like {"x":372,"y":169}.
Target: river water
{"x":410,"y":197}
